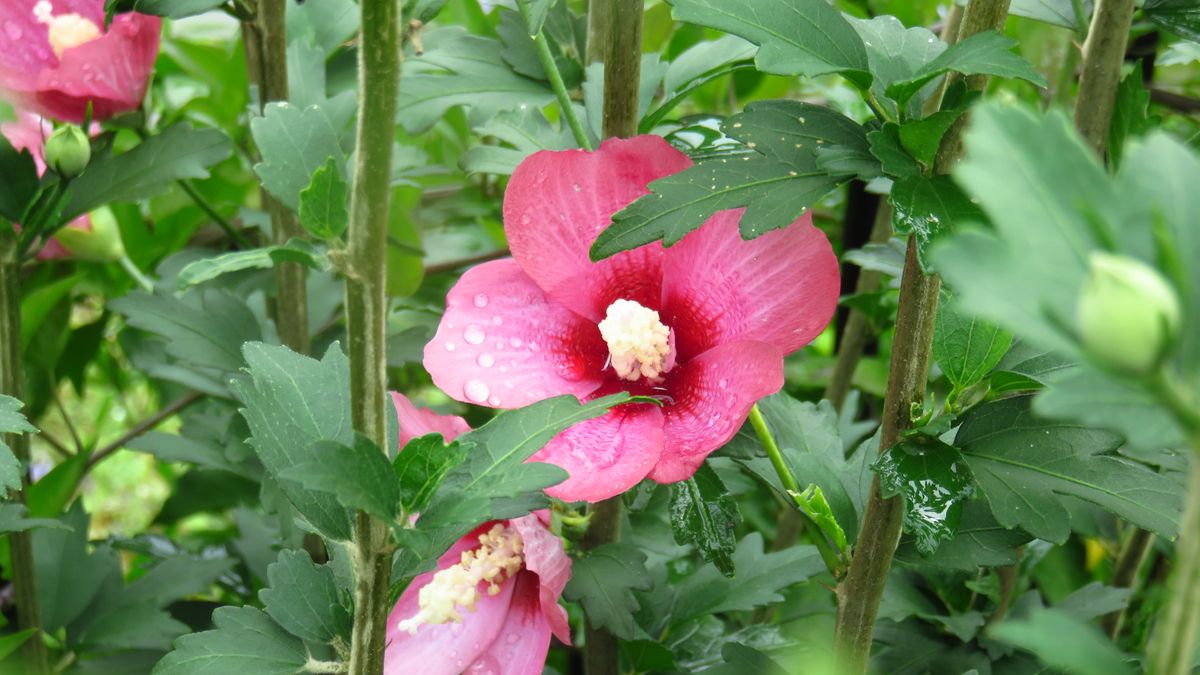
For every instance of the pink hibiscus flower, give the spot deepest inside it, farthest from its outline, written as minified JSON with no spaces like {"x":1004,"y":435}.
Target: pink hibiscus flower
{"x":492,"y":604}
{"x":29,"y":132}
{"x":57,"y":57}
{"x":703,"y":326}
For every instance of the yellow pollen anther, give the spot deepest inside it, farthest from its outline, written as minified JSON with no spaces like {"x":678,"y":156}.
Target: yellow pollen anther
{"x":66,"y":30}
{"x":639,"y":344}
{"x":499,"y":557}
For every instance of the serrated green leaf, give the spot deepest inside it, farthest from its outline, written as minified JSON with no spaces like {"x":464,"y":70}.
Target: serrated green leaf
{"x":207,"y":269}
{"x":966,"y":348}
{"x":12,"y":519}
{"x":245,"y":640}
{"x":1064,"y":643}
{"x":329,"y":24}
{"x":979,"y":541}
{"x":1181,"y":17}
{"x":303,"y":598}
{"x":603,"y":581}
{"x":987,"y":53}
{"x":358,"y":475}
{"x":323,"y":210}
{"x":893,"y":158}
{"x":68,"y":576}
{"x":922,"y":138}
{"x":704,"y":514}
{"x":461,"y":69}
{"x":927,"y":208}
{"x":294,"y":142}
{"x":290,"y":402}
{"x":11,"y":422}
{"x":1023,"y":465}
{"x":934,"y":480}
{"x":795,"y":37}
{"x":150,"y":168}
{"x":134,"y":626}
{"x":422,"y":465}
{"x":207,"y":330}
{"x":895,"y":53}
{"x":20,"y":181}
{"x":526,"y":130}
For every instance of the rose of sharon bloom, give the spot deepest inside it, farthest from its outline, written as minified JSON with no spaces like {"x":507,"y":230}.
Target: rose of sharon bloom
{"x":56,"y":57}
{"x":29,"y":133}
{"x":492,"y":604}
{"x":702,"y":326}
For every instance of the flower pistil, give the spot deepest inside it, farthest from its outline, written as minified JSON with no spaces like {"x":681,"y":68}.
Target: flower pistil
{"x":639,"y":344}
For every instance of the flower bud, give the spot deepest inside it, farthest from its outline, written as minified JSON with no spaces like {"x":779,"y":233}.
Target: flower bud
{"x":1127,"y":315}
{"x":99,"y":243}
{"x":68,"y":151}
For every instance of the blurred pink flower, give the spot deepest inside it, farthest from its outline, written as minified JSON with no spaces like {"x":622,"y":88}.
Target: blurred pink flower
{"x":492,"y":604}
{"x":55,"y":57}
{"x":703,"y":326}
{"x":29,"y":132}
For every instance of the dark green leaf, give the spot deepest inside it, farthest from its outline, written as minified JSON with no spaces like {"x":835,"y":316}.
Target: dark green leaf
{"x":1064,"y":643}
{"x":207,"y":269}
{"x":1094,"y":601}
{"x":740,"y":659}
{"x":207,"y":333}
{"x":894,"y":159}
{"x":979,"y":541}
{"x":12,"y":519}
{"x":20,"y":181}
{"x":923,"y":137}
{"x":1130,"y":116}
{"x":294,"y":144}
{"x":704,"y":514}
{"x":173,"y":448}
{"x":13,"y":641}
{"x":291,"y":402}
{"x":171,"y":9}
{"x":1178,"y":16}
{"x":134,"y":626}
{"x":1025,"y":367}
{"x":988,"y":53}
{"x":323,"y":209}
{"x":603,"y":581}
{"x":422,"y":465}
{"x":1023,"y":465}
{"x":967,"y":348}
{"x":896,"y":53}
{"x":359,"y":475}
{"x":11,"y":422}
{"x":303,"y":598}
{"x":68,"y":576}
{"x":1099,"y":400}
{"x":934,"y":480}
{"x":526,"y":130}
{"x":150,"y":168}
{"x":929,"y":207}
{"x":245,"y":640}
{"x":795,"y":37}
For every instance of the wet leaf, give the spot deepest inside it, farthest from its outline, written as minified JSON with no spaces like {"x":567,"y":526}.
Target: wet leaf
{"x":703,"y":513}
{"x":927,"y":208}
{"x":934,"y":480}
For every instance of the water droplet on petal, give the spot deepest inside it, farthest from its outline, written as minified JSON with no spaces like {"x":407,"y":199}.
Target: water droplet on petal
{"x":450,"y":346}
{"x":494,"y":401}
{"x":515,"y":342}
{"x":481,"y":300}
{"x":575,"y":187}
{"x":525,"y":219}
{"x":474,"y":334}
{"x":486,"y":360}
{"x":497,"y":320}
{"x":723,"y":383}
{"x":476,"y":391}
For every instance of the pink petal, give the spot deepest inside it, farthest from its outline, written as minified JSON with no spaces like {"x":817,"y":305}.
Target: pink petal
{"x":521,"y":647}
{"x":545,"y":557}
{"x":28,"y":132}
{"x":607,"y":455}
{"x":25,"y":48}
{"x":557,"y":202}
{"x":713,"y":394}
{"x":781,"y":287}
{"x":111,"y":71}
{"x":54,"y":250}
{"x":502,"y":343}
{"x":416,"y":421}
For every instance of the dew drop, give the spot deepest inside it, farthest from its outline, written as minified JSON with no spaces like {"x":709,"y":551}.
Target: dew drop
{"x":450,"y":346}
{"x":575,"y":187}
{"x":476,"y":391}
{"x":723,"y":383}
{"x":525,"y":219}
{"x":497,"y":320}
{"x":515,"y":342}
{"x":494,"y":401}
{"x":474,"y":334}
{"x":481,"y":300}
{"x":486,"y":360}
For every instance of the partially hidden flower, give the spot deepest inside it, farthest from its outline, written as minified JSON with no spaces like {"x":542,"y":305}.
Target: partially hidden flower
{"x":57,"y":57}
{"x":492,"y":603}
{"x":702,"y":326}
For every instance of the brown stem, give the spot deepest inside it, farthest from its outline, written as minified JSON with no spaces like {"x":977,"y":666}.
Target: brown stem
{"x":861,"y":591}
{"x":175,"y":407}
{"x":1133,"y":554}
{"x":1184,"y":104}
{"x":1103,"y":55}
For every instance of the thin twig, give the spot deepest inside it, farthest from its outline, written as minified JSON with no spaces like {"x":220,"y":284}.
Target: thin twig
{"x":451,"y":265}
{"x":62,"y":412}
{"x":211,"y":212}
{"x":175,"y":407}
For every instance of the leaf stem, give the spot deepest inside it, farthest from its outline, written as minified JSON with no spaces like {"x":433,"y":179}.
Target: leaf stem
{"x":211,"y":212}
{"x":144,"y":282}
{"x":366,"y":308}
{"x":12,"y":381}
{"x":556,"y":82}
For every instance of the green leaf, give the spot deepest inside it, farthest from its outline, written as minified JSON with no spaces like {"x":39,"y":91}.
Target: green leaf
{"x":208,"y":330}
{"x":795,"y":37}
{"x":979,"y":541}
{"x":1130,"y":116}
{"x":329,"y":24}
{"x":173,"y":448}
{"x":20,"y":181}
{"x":461,"y":69}
{"x":294,"y":144}
{"x":525,"y":129}
{"x":967,"y":348}
{"x":303,"y":598}
{"x":535,"y":13}
{"x":922,"y":138}
{"x":704,"y":514}
{"x":12,"y":519}
{"x":50,"y":495}
{"x":603,"y":581}
{"x":1095,"y":399}
{"x":323,"y":209}
{"x":1094,"y":601}
{"x":740,"y":659}
{"x":1025,"y":367}
{"x":889,"y":150}
{"x":292,"y":402}
{"x":777,"y":183}
{"x":934,"y":480}
{"x":895,"y":53}
{"x":1063,"y":643}
{"x":11,"y":422}
{"x":68,"y":576}
{"x":1023,"y":465}
{"x":987,"y":53}
{"x":245,"y":640}
{"x":149,"y":169}
{"x":1054,"y":12}
{"x":13,"y":641}
{"x":359,"y":475}
{"x":929,"y":207}
{"x":171,"y":9}
{"x":207,"y":269}
{"x":1181,"y":17}
{"x":421,"y":467}
{"x":134,"y":626}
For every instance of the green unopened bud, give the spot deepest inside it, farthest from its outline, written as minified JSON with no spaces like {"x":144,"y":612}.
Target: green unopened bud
{"x":1128,"y":316}
{"x":101,"y":243}
{"x":68,"y":151}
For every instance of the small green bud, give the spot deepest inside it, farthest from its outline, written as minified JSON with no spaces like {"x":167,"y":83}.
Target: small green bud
{"x":1128,"y":316}
{"x":68,"y":151}
{"x":101,"y":243}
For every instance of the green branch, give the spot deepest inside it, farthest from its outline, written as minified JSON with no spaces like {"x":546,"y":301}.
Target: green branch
{"x":556,"y":82}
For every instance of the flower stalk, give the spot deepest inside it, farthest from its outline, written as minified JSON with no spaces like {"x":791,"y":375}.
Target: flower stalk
{"x":556,"y":83}
{"x":366,"y":308}
{"x":860,"y":593}
{"x":12,"y":380}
